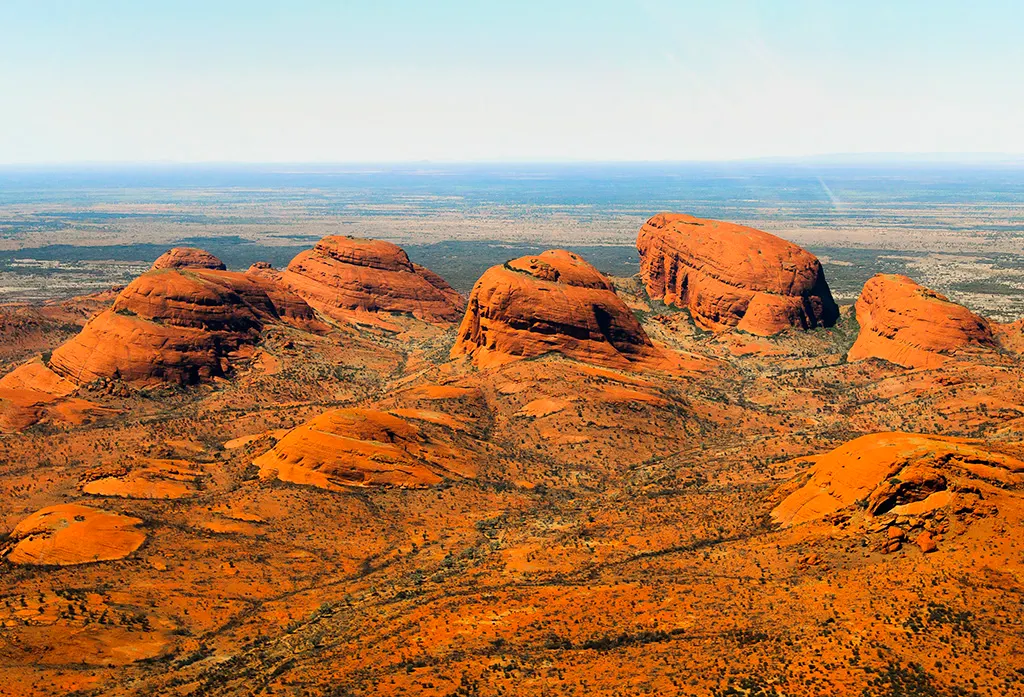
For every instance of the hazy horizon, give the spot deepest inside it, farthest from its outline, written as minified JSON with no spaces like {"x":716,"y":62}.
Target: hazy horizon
{"x":451,"y":81}
{"x":828,"y":159}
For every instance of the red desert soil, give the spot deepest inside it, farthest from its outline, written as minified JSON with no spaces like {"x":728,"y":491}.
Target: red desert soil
{"x":729,"y":275}
{"x":581,"y":521}
{"x":343,"y":275}
{"x":913,"y":326}
{"x":552,"y":302}
{"x":72,"y":534}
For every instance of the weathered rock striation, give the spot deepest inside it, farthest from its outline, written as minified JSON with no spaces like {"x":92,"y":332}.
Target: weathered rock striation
{"x":912,"y":326}
{"x":344,"y":275}
{"x":551,"y":302}
{"x":729,"y":275}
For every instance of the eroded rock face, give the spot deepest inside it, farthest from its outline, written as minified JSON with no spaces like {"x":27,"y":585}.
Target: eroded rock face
{"x":900,"y":472}
{"x":363,"y":447}
{"x":912,"y":326}
{"x":176,"y":325}
{"x":729,"y":275}
{"x":187,"y":258}
{"x":342,"y":275}
{"x":551,"y":302}
{"x":71,"y":534}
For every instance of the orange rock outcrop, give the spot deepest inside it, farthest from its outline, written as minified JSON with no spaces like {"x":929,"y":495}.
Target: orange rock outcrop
{"x":32,"y":392}
{"x":72,"y":534}
{"x":177,"y":325}
{"x":729,"y":275}
{"x":343,"y":275}
{"x":187,"y":258}
{"x":551,"y":302}
{"x":363,"y":447}
{"x":900,"y":472}
{"x":912,"y":326}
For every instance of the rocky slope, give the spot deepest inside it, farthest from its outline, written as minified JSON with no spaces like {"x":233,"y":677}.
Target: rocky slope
{"x":905,"y":473}
{"x":362,"y":447}
{"x":176,"y":325}
{"x":554,"y":302}
{"x":912,"y":326}
{"x":728,"y":275}
{"x":72,"y":534}
{"x":344,"y":277}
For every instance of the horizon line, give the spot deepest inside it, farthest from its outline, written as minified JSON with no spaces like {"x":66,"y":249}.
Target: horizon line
{"x":984,"y":157}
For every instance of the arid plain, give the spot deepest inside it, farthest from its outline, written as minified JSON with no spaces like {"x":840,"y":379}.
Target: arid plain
{"x":338,"y":474}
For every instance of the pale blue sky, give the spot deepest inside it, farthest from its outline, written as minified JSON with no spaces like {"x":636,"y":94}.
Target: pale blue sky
{"x":261,"y":81}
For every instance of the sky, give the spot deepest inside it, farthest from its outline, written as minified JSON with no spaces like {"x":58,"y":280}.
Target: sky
{"x":521,"y":80}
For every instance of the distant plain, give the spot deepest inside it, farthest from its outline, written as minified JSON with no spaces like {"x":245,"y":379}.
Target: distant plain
{"x":958,"y":229}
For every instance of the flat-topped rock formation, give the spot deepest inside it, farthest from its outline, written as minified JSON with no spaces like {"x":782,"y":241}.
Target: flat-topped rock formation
{"x":554,"y":302}
{"x":729,"y":275}
{"x":362,"y":447}
{"x":187,"y":258}
{"x":900,"y":472}
{"x":912,"y":326}
{"x":344,"y":275}
{"x":70,"y":534}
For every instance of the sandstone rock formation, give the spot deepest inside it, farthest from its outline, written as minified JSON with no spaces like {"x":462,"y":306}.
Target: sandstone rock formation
{"x":363,"y":447}
{"x":912,"y":326}
{"x":288,"y":306}
{"x":37,"y":377}
{"x":32,"y":392}
{"x":344,"y":275}
{"x":551,"y":302}
{"x":901,"y":472}
{"x":187,"y":258}
{"x":177,"y":325}
{"x":72,"y":534}
{"x":729,"y":275}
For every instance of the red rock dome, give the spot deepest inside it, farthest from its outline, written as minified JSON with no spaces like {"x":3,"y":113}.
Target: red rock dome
{"x":187,"y":258}
{"x":729,"y":275}
{"x":912,"y":326}
{"x":550,"y":302}
{"x":341,"y":275}
{"x":177,"y":325}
